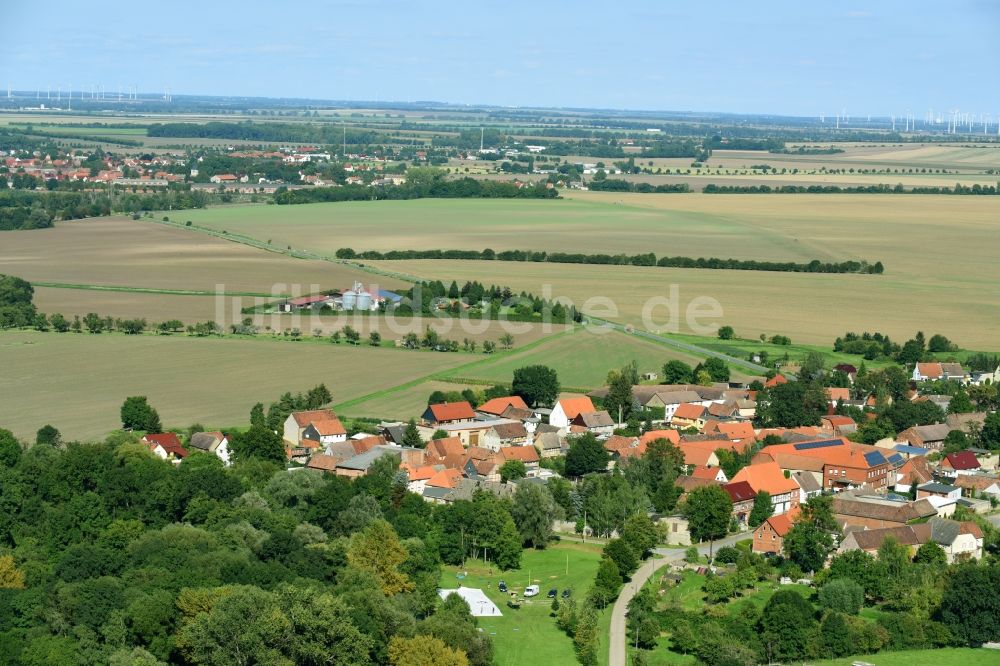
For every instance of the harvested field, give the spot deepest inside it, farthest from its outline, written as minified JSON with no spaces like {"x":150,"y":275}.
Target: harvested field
{"x":77,"y":382}
{"x":122,"y":252}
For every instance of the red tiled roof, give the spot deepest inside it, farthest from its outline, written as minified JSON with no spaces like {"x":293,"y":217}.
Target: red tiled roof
{"x":497,"y":406}
{"x":446,"y":446}
{"x":452,"y":411}
{"x":671,"y":436}
{"x":703,"y":472}
{"x":689,"y":410}
{"x":170,"y":443}
{"x":446,"y":478}
{"x":783,"y":522}
{"x":526,"y":454}
{"x":838,"y":394}
{"x":737,"y":430}
{"x":962,"y":460}
{"x":836,"y":420}
{"x":774,"y":381}
{"x":573,"y":406}
{"x":766,"y":476}
{"x":322,"y":462}
{"x":739,"y":491}
{"x":329,"y":427}
{"x":305,"y":418}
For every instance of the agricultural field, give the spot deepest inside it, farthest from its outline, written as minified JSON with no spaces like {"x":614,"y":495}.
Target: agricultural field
{"x":528,"y":635}
{"x":402,"y":404}
{"x":582,"y":359}
{"x":118,"y":251}
{"x":77,"y":382}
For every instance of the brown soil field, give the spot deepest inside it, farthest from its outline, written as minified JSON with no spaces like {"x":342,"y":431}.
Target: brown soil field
{"x":118,"y":251}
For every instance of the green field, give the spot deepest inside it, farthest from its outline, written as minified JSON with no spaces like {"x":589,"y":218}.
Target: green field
{"x":77,"y":382}
{"x":403,"y":404}
{"x":938,"y":253}
{"x":529,"y":635}
{"x":582,"y":358}
{"x":942,"y":657}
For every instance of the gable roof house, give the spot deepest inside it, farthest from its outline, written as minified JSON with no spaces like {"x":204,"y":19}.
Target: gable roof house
{"x":769,"y":536}
{"x":915,"y":470}
{"x":497,"y":406}
{"x":449,"y":412}
{"x":526,"y":454}
{"x":958,"y":464}
{"x":843,"y":464}
{"x":689,"y":415}
{"x":551,"y":444}
{"x":974,"y":485}
{"x":785,"y":492}
{"x":743,"y":497}
{"x":211,"y":442}
{"x":324,"y":432}
{"x":926,"y":436}
{"x":568,"y":408}
{"x":297,"y":422}
{"x":876,"y":512}
{"x":959,"y":540}
{"x":165,"y":445}
{"x":504,"y":434}
{"x":923,"y":372}
{"x":597,"y":422}
{"x":840,"y":426}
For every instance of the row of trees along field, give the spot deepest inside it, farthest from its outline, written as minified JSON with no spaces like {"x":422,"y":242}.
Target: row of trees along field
{"x":647,"y":259}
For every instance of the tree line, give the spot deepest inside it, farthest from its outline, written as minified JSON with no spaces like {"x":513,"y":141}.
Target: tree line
{"x":647,"y":259}
{"x":462,"y":188}
{"x":881,"y":188}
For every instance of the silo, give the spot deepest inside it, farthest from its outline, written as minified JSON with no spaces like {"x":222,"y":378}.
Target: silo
{"x":364,"y":301}
{"x":349,"y":300}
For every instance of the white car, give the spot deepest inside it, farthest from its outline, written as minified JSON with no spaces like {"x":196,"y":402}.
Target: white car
{"x":531,"y":590}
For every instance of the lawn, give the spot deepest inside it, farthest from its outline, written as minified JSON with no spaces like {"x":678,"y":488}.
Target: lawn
{"x":77,"y":382}
{"x":529,"y":635}
{"x":582,"y":358}
{"x":942,"y":657}
{"x":409,"y":402}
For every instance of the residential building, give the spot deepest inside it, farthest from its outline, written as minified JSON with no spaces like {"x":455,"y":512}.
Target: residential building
{"x":211,"y":442}
{"x":597,"y":422}
{"x":165,"y":445}
{"x":297,"y":422}
{"x":785,"y":492}
{"x":568,"y":408}
{"x":958,"y":464}
{"x":449,"y":413}
{"x":769,"y":536}
{"x":743,"y":497}
{"x":923,"y":372}
{"x":875,"y":511}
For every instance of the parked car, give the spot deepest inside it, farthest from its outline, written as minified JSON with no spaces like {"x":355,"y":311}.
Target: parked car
{"x":566,"y":593}
{"x":503,"y":586}
{"x":553,"y":592}
{"x":531,"y":591}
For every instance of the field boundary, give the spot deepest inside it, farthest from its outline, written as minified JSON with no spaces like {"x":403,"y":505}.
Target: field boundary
{"x":144,"y":290}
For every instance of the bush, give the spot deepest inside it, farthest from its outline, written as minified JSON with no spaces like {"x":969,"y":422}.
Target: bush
{"x":842,"y":595}
{"x":727,"y":555}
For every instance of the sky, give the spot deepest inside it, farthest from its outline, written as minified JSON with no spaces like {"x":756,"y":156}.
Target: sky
{"x":879,"y":57}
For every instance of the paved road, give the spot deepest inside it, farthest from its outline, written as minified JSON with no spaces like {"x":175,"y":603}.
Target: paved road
{"x":663,"y":556}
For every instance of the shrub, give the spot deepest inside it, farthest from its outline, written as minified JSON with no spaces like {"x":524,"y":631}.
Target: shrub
{"x":842,"y":595}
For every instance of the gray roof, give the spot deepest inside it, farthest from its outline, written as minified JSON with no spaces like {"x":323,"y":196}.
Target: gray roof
{"x":546,"y":428}
{"x":433,"y":492}
{"x":394,"y":433}
{"x":467,"y":487}
{"x":934,"y":487}
{"x":944,"y":531}
{"x":932,"y":433}
{"x":548,"y":441}
{"x":807,"y":482}
{"x":677,"y":397}
{"x":364,"y":460}
{"x":204,"y":441}
{"x":599,"y":419}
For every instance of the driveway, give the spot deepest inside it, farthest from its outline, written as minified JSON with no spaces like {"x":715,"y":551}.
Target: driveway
{"x":661,"y":556}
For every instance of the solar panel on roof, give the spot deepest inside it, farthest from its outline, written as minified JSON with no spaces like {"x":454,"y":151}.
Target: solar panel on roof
{"x":822,"y":444}
{"x":896,"y":459}
{"x":875,"y":458}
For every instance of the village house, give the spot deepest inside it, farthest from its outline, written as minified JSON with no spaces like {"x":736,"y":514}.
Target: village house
{"x":935,"y":489}
{"x":927,"y":437}
{"x":769,"y":536}
{"x":977,"y":485}
{"x":297,"y":422}
{"x":495,"y":408}
{"x":875,"y":512}
{"x":324,"y":432}
{"x":526,"y":454}
{"x":785,"y":492}
{"x":568,"y":408}
{"x":507,"y":433}
{"x":689,"y":415}
{"x":743,"y":497}
{"x":923,"y":372}
{"x":211,"y":442}
{"x":959,"y":540}
{"x":448,"y":412}
{"x":598,"y":422}
{"x":838,"y":426}
{"x":958,"y":464}
{"x":838,"y":463}
{"x":165,"y":445}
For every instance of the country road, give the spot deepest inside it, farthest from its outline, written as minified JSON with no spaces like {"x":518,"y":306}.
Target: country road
{"x":616,"y":644}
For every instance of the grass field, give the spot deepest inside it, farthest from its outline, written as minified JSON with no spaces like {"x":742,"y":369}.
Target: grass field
{"x":942,"y":657}
{"x":528,"y":635}
{"x":404,"y":404}
{"x":938,"y":253}
{"x":582,"y":359}
{"x":77,"y":382}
